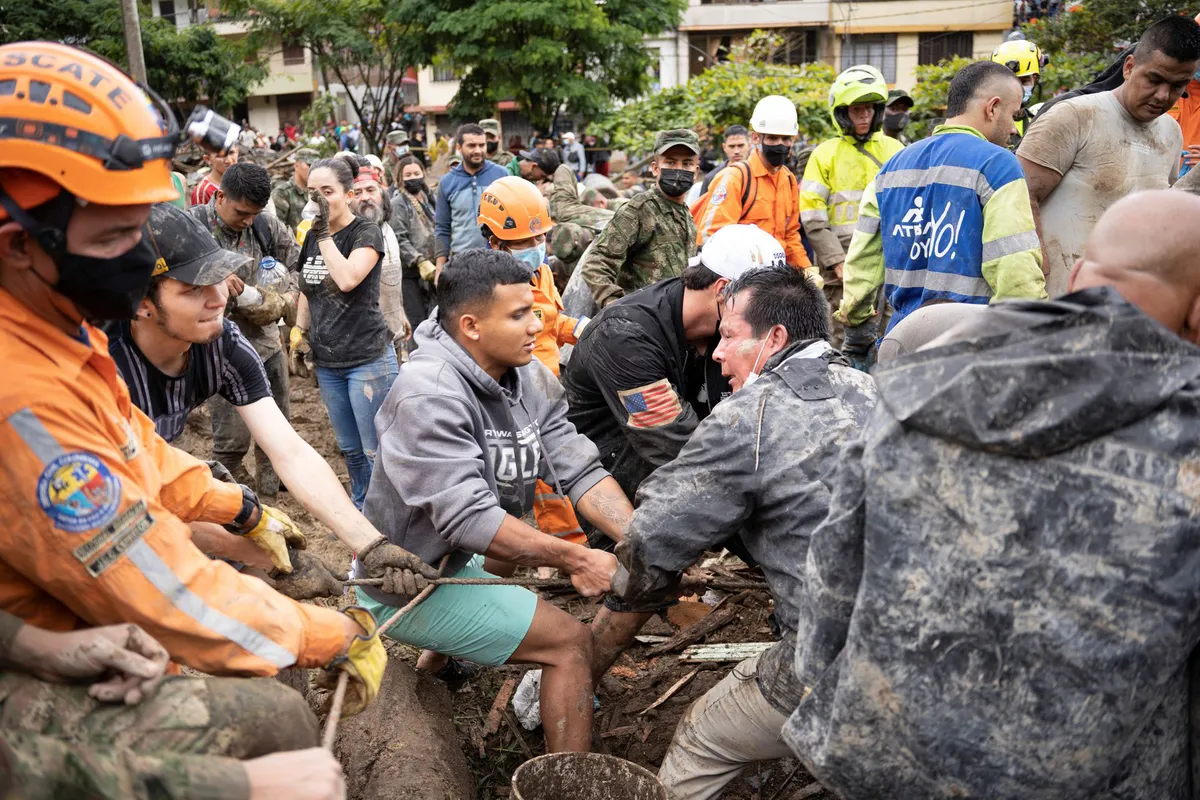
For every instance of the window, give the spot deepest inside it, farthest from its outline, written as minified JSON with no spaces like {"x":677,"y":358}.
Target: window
{"x":878,"y":50}
{"x":166,"y":8}
{"x":444,"y":71}
{"x":293,"y":54}
{"x":935,"y":47}
{"x":799,"y":47}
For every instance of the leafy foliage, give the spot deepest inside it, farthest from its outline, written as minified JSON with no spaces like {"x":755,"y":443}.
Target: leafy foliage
{"x":1102,"y":27}
{"x":357,"y":43}
{"x":184,"y":66}
{"x":551,"y":56}
{"x":722,"y":96}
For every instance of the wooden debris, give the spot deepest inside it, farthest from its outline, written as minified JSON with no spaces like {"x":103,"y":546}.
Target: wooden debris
{"x":498,"y":706}
{"x":651,"y":639}
{"x":722,"y":614}
{"x":737,"y":651}
{"x":516,"y":731}
{"x":675,"y":687}
{"x":808,"y":791}
{"x":621,"y":731}
{"x":687,"y":613}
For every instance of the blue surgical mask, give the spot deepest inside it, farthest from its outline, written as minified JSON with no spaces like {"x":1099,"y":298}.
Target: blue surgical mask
{"x":533,"y":256}
{"x":1027,"y":92}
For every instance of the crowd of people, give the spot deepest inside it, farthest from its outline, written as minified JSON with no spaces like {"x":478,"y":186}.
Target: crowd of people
{"x":940,"y":393}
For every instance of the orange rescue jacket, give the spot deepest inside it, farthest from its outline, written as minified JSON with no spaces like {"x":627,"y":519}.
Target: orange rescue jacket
{"x":94,"y":511}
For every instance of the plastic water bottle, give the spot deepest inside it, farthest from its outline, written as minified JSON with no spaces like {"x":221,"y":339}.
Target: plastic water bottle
{"x":270,"y":274}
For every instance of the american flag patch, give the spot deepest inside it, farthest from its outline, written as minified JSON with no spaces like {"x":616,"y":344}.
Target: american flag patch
{"x":652,"y":405}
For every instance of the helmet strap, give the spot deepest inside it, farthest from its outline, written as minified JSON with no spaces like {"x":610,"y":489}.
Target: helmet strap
{"x":51,"y":237}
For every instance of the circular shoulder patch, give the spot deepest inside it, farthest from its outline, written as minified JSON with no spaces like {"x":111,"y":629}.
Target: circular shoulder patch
{"x":78,"y":492}
{"x":719,"y":194}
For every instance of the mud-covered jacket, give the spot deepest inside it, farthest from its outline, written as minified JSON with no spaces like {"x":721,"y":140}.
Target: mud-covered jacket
{"x":759,"y":464}
{"x":1004,"y":597}
{"x":636,"y":387}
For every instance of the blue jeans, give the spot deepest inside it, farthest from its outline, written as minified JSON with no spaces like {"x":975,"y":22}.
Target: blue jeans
{"x":352,"y":396}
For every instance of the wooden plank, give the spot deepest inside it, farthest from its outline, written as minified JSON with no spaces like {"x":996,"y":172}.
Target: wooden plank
{"x":723,"y":613}
{"x":496,"y":714}
{"x":675,"y":687}
{"x":737,"y":651}
{"x":621,"y":731}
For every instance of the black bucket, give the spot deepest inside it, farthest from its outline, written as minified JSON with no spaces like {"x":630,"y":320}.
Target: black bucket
{"x":584,"y":776}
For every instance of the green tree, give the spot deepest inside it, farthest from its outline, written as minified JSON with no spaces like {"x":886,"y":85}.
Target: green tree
{"x":184,"y":66}
{"x":357,"y":43}
{"x":551,"y":56}
{"x":1102,"y":27}
{"x":722,"y":96}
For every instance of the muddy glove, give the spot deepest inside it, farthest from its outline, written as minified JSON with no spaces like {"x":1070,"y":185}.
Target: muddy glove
{"x":310,"y":578}
{"x":273,"y":533}
{"x":859,"y":345}
{"x":427,"y":270}
{"x":814,"y":275}
{"x":320,"y":224}
{"x":298,"y":348}
{"x":365,"y":661}
{"x":269,"y":310}
{"x":403,"y":573}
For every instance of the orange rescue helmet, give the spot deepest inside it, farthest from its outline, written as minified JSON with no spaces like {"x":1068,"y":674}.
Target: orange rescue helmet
{"x":75,"y":122}
{"x":514,"y":209}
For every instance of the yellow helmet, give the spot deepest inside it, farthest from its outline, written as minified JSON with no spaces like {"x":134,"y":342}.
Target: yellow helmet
{"x":1022,"y":57}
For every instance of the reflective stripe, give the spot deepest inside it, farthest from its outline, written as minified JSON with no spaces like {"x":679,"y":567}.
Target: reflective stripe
{"x":819,"y":189}
{"x":867,"y":224}
{"x":845,"y":230}
{"x":34,"y":434}
{"x":1008,"y":245}
{"x":846,"y":197}
{"x":939,"y":282}
{"x":547,"y":498}
{"x":963,"y":177}
{"x":819,"y":215}
{"x":155,"y":570}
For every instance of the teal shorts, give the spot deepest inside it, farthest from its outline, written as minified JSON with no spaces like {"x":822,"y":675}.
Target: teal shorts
{"x":484,"y":624}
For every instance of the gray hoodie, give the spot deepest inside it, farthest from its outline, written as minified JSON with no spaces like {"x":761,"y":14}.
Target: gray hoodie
{"x":459,"y":451}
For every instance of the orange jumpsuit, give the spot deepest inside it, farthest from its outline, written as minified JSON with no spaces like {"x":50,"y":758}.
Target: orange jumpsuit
{"x":773,"y":204}
{"x":553,"y":512}
{"x":94,"y":511}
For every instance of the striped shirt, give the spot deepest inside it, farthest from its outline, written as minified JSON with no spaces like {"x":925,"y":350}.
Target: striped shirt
{"x":228,"y":367}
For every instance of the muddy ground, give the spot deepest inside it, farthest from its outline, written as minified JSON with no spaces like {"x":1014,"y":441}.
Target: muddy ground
{"x":636,"y":681}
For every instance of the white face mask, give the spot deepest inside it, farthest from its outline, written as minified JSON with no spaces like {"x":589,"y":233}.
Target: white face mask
{"x":753,"y":376}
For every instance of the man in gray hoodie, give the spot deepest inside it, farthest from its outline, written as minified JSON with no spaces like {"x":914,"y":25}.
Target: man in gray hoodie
{"x":471,"y":424}
{"x":1002,"y":601}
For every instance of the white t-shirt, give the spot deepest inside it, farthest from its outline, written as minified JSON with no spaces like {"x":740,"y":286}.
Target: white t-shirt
{"x":1103,"y":154}
{"x":391,"y":298}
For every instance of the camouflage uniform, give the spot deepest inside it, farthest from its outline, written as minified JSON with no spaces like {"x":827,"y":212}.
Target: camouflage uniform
{"x":289,"y":201}
{"x":396,"y":140}
{"x":650,"y":238}
{"x":1002,"y":600}
{"x":182,"y":742}
{"x":501,"y":156}
{"x":565,"y":205}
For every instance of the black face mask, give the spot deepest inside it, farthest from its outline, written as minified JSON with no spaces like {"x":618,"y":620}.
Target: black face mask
{"x":894,"y":123}
{"x":106,"y":288}
{"x":414,"y":185}
{"x":675,"y":182}
{"x":775,"y":154}
{"x":493,"y":147}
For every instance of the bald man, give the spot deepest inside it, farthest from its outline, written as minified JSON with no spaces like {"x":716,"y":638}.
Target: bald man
{"x":1004,"y":597}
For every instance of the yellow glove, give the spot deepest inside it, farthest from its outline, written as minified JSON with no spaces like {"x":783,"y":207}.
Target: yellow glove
{"x":273,"y":533}
{"x":365,"y":661}
{"x":814,"y":274}
{"x":298,"y":338}
{"x":428,"y":270}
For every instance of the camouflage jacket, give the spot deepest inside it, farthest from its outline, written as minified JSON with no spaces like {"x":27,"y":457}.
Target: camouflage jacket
{"x":649,"y":239}
{"x":757,"y":468}
{"x":1003,"y":599}
{"x":289,"y":201}
{"x":412,"y":221}
{"x":565,"y":205}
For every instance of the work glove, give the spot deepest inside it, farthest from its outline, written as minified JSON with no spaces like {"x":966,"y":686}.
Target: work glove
{"x":814,"y":275}
{"x":310,"y":578}
{"x":273,"y":533}
{"x":859,"y":346}
{"x":365,"y":661}
{"x":427,"y":270}
{"x":298,"y":348}
{"x":320,"y":223}
{"x":402,"y":572}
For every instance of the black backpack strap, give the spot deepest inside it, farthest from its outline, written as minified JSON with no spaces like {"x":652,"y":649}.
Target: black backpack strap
{"x":261,"y":230}
{"x":862,"y":148}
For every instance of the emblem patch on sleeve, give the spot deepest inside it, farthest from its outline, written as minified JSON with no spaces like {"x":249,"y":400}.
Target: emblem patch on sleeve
{"x":719,"y":195}
{"x":78,"y":492}
{"x":652,"y":405}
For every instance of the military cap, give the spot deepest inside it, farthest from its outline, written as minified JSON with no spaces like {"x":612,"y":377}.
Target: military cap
{"x":397,"y":137}
{"x":665,"y":140}
{"x":491,"y":126}
{"x":305,"y":154}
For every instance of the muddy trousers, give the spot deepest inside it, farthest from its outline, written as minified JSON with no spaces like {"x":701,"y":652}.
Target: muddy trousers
{"x":725,"y":731}
{"x":185,"y":740}
{"x":231,"y":437}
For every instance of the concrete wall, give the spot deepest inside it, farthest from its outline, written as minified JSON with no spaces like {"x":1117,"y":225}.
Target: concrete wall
{"x":718,"y":16}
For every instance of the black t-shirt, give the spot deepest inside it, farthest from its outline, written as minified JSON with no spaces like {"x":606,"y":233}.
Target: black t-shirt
{"x":346,"y":328}
{"x":228,"y":367}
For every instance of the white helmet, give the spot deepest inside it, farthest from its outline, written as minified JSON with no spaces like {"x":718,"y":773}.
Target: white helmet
{"x":737,"y":249}
{"x":775,"y":115}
